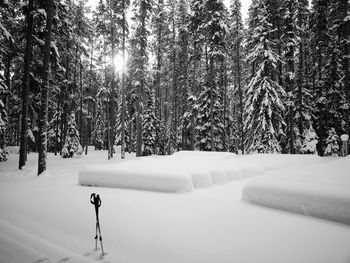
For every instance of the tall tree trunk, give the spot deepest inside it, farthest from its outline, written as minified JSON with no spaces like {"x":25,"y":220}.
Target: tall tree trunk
{"x":89,"y":118}
{"x":211,"y":83}
{"x":122,"y":132}
{"x":345,"y":42}
{"x":44,"y":91}
{"x":174,"y":86}
{"x":113,"y":93}
{"x":240,"y":94}
{"x":25,"y":86}
{"x":57,"y":126}
{"x":81,"y":115}
{"x":300,"y":86}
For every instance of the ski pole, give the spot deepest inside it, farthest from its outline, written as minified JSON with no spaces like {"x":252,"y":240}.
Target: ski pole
{"x":96,"y":201}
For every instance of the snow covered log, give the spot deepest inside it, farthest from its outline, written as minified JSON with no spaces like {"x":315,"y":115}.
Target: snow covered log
{"x":122,"y":177}
{"x":321,"y":191}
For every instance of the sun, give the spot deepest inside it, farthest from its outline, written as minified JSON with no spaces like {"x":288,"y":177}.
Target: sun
{"x":118,"y":62}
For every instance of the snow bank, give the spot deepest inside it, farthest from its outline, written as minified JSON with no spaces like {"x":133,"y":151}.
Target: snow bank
{"x":50,"y":219}
{"x":321,"y":190}
{"x":184,"y":171}
{"x":121,"y":177}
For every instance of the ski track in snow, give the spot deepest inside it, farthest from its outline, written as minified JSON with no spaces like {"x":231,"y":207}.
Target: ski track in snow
{"x":50,"y":219}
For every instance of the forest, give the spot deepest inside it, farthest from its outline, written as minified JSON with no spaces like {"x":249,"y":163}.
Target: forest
{"x":158,"y":76}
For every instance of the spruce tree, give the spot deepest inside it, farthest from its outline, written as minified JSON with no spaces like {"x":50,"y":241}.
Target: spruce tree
{"x":264,"y":104}
{"x":139,"y":40}
{"x":236,"y":53}
{"x":320,"y":40}
{"x":43,"y":116}
{"x":289,"y":42}
{"x":332,"y":143}
{"x":149,"y":126}
{"x":72,"y":146}
{"x":302,"y":95}
{"x":209,"y":104}
{"x":309,"y":142}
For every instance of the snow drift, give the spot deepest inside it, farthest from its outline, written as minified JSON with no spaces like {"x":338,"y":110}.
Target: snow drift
{"x":184,"y":171}
{"x":321,"y":191}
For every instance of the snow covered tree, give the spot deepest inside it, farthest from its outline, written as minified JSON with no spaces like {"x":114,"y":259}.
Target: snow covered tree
{"x":3,"y":121}
{"x":72,"y":144}
{"x":209,"y":104}
{"x":100,"y":119}
{"x":289,"y":43}
{"x":149,"y":126}
{"x":320,"y":40}
{"x":264,"y":103}
{"x":332,"y":143}
{"x":25,"y":86}
{"x":139,"y":41}
{"x":183,"y":74}
{"x":303,"y":96}
{"x":5,"y":37}
{"x":309,"y":142}
{"x":43,"y":114}
{"x":236,"y":53}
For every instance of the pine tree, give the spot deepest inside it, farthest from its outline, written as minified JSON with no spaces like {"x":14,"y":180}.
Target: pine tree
{"x":100,"y":119}
{"x":5,"y":37}
{"x":303,"y":96}
{"x":72,"y":144}
{"x":289,"y":42}
{"x":25,"y":86}
{"x":236,"y":38}
{"x":43,"y":116}
{"x":332,"y":144}
{"x":310,"y":141}
{"x":139,"y":41}
{"x":149,"y":126}
{"x":264,"y":104}
{"x":344,"y":34}
{"x":183,"y":74}
{"x":3,"y":120}
{"x":209,"y":104}
{"x":320,"y":37}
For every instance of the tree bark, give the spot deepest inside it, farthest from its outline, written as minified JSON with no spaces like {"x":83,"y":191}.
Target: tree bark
{"x":122,"y":132}
{"x":25,"y":87}
{"x":44,"y":91}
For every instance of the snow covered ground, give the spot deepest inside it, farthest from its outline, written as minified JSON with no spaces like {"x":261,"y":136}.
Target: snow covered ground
{"x":50,"y":219}
{"x":320,"y":190}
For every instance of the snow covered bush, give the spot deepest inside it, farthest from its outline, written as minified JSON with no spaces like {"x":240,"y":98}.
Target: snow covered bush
{"x":332,"y":144}
{"x":310,"y":141}
{"x":72,"y":145}
{"x":3,"y":155}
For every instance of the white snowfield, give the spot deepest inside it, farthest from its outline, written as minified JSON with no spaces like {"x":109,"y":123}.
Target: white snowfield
{"x":50,"y":219}
{"x":321,"y":190}
{"x":183,"y":171}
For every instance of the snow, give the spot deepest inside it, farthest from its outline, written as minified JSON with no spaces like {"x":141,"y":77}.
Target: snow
{"x":181,"y":172}
{"x":50,"y":218}
{"x":321,"y":191}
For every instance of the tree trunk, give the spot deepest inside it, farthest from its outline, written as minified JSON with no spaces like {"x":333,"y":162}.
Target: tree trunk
{"x":113,"y":94}
{"x":122,"y":117}
{"x":25,"y":86}
{"x":81,"y":115}
{"x":345,"y":42}
{"x":44,"y":92}
{"x":211,"y":81}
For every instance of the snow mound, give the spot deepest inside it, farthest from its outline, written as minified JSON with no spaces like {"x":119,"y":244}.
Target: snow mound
{"x":137,"y":178}
{"x":321,"y":191}
{"x":183,"y":171}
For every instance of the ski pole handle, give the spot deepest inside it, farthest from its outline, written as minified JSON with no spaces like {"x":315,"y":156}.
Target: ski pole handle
{"x":95,"y":200}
